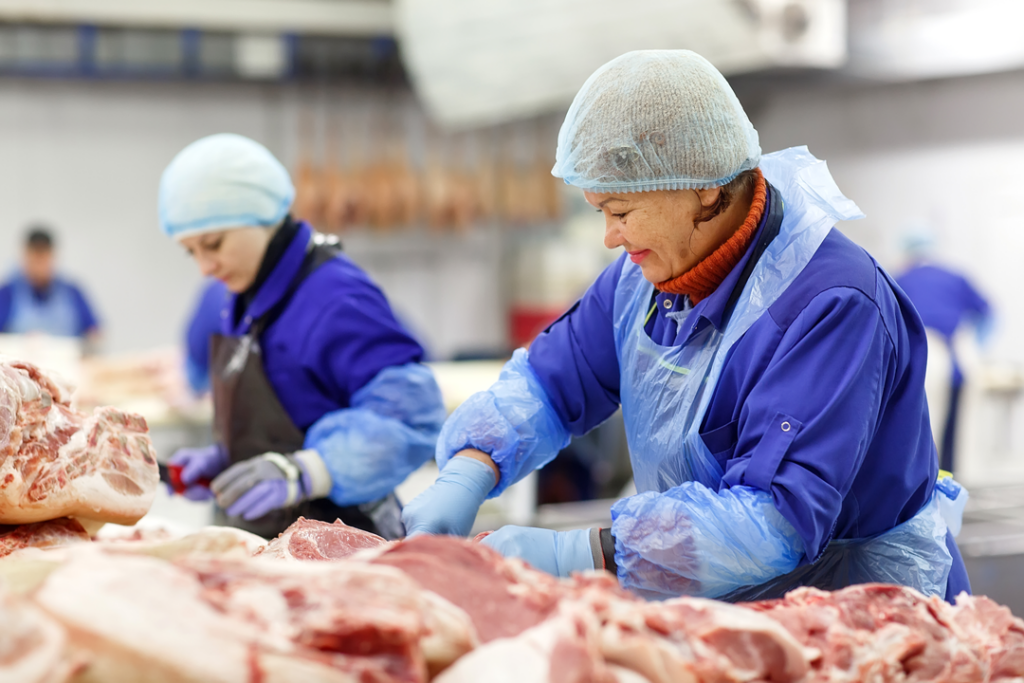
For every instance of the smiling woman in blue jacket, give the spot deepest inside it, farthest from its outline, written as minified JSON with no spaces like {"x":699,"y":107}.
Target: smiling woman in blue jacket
{"x":770,"y":374}
{"x":321,"y":403}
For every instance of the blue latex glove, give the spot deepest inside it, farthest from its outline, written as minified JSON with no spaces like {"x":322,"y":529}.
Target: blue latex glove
{"x":451,"y":504}
{"x":252,"y":488}
{"x":556,"y":552}
{"x":199,"y":463}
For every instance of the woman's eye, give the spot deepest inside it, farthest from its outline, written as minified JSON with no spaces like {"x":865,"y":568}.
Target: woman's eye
{"x":620,"y":216}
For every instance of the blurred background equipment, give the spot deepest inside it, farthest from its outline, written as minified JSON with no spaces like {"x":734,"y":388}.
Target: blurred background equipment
{"x":554,"y":46}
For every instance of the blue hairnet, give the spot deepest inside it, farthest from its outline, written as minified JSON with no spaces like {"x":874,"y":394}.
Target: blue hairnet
{"x":655,"y":120}
{"x":223,"y":181}
{"x":390,"y":430}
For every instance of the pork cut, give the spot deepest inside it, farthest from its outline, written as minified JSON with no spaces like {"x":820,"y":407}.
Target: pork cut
{"x":310,"y":539}
{"x":502,"y":597}
{"x":58,"y":462}
{"x":211,"y":541}
{"x":883,"y":633}
{"x":49,"y":534}
{"x":141,"y":618}
{"x":33,"y":646}
{"x":562,"y":649}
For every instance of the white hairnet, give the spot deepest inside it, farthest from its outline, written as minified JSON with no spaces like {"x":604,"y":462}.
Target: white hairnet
{"x":223,"y":181}
{"x":655,"y":120}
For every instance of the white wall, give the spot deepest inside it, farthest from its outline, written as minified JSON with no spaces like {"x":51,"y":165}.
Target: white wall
{"x":87,"y":157}
{"x":949,"y":152}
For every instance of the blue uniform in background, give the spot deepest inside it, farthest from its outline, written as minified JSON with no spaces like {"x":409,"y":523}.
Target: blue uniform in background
{"x":206,"y":321}
{"x":60,"y":309}
{"x":336,"y":333}
{"x":946,"y":300}
{"x":345,"y":371}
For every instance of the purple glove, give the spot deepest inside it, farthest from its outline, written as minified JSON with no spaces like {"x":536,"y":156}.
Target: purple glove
{"x":254,"y":487}
{"x":199,"y":464}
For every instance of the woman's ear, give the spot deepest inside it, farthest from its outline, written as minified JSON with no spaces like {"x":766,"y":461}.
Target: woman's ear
{"x":709,"y":198}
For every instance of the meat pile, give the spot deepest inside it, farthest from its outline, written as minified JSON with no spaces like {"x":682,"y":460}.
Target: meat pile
{"x":57,"y":462}
{"x":325,"y":602}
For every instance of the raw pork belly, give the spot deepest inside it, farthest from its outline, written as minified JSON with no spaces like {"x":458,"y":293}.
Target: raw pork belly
{"x":502,"y":597}
{"x":58,"y":462}
{"x":309,"y":539}
{"x":140,"y":618}
{"x":41,"y":535}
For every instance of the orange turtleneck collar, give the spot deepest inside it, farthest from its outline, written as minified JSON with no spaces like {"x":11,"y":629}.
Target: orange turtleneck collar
{"x":703,"y":279}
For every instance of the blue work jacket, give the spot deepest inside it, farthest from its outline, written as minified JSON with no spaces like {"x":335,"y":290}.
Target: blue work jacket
{"x":335,"y":335}
{"x":842,"y":350}
{"x":945,"y":301}
{"x":60,"y":309}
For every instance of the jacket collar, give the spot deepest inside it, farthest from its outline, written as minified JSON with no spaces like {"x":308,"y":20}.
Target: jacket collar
{"x":714,"y":308}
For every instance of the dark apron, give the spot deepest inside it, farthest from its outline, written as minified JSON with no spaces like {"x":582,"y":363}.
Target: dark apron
{"x":249,"y":420}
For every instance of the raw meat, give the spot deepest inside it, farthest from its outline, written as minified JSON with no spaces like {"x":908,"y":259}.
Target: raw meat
{"x":211,"y":541}
{"x":991,"y":628}
{"x":57,"y":462}
{"x":562,"y":649}
{"x":502,"y":597}
{"x":890,"y":633}
{"x":141,"y":618}
{"x":41,"y":535}
{"x":309,"y":539}
{"x":33,"y":647}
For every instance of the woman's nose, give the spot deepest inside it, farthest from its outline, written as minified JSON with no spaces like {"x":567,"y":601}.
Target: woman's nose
{"x":206,"y":265}
{"x":612,"y":236}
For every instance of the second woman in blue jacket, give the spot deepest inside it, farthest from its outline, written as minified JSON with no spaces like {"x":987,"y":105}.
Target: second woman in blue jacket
{"x":322,"y":405}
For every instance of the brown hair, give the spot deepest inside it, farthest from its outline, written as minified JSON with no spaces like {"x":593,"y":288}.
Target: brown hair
{"x":737,"y":187}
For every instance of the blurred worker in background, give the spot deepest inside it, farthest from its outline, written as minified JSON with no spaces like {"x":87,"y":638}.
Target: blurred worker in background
{"x":770,"y":373}
{"x":321,"y":403}
{"x":948,"y":303}
{"x":37,"y":301}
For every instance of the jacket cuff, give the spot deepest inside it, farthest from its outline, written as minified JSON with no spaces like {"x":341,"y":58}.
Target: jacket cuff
{"x":606,"y":546}
{"x":316,"y":479}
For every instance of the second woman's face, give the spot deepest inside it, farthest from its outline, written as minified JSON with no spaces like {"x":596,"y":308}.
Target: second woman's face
{"x":657,"y":228}
{"x":232,"y":256}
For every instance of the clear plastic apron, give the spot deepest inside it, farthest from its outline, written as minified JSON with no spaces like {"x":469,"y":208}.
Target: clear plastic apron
{"x":665,"y":390}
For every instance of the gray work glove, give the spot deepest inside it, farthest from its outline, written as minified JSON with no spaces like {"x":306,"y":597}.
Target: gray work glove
{"x":254,"y":487}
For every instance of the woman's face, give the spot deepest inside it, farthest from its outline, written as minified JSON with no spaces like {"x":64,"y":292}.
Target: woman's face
{"x":232,"y":256}
{"x":657,"y":228}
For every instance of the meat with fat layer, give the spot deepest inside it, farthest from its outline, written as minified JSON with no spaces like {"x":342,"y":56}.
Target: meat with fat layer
{"x":142,"y":618}
{"x":58,"y":462}
{"x":310,"y":539}
{"x":33,"y":646}
{"x":56,"y":532}
{"x":883,"y":633}
{"x":500,"y":596}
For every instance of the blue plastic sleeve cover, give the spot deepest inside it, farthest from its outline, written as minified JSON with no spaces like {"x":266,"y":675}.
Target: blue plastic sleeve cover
{"x":198,"y":377}
{"x":513,"y":422}
{"x":390,"y":430}
{"x":691,"y":540}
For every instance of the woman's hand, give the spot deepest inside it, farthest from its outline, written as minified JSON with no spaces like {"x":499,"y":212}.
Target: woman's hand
{"x":450,"y":505}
